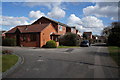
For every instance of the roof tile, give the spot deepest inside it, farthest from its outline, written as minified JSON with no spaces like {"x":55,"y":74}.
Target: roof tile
{"x":29,"y":28}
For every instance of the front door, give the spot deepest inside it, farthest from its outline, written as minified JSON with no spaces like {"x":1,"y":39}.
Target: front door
{"x":18,"y":39}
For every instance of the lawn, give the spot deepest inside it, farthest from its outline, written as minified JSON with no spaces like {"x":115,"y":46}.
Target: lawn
{"x":0,"y":63}
{"x":68,"y":46}
{"x":115,"y":53}
{"x":8,"y":61}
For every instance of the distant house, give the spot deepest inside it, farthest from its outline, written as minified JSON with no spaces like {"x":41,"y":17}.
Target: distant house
{"x":88,"y":35}
{"x":101,"y":39}
{"x":3,"y":34}
{"x":39,"y":32}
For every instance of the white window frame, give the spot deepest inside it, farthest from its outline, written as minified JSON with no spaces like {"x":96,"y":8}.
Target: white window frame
{"x":60,"y":28}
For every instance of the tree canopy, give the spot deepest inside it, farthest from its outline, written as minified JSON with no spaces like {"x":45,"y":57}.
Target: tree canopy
{"x":114,"y":36}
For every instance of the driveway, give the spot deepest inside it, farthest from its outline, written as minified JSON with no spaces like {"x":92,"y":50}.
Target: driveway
{"x":82,"y":62}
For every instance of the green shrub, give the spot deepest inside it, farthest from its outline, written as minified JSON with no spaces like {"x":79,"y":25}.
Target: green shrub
{"x":69,"y":39}
{"x":51,"y":44}
{"x":44,"y":46}
{"x":9,"y":42}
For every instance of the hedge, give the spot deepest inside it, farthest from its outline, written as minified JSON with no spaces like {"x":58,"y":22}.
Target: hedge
{"x":9,"y":42}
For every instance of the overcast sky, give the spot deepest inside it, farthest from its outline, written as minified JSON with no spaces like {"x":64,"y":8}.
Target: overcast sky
{"x":86,"y":16}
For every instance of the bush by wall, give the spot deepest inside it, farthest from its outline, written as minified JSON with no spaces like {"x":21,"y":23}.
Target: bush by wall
{"x":9,"y":42}
{"x":51,"y":44}
{"x":69,"y":39}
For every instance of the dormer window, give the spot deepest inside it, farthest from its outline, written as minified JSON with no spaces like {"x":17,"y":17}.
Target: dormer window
{"x":26,"y":28}
{"x":60,"y":28}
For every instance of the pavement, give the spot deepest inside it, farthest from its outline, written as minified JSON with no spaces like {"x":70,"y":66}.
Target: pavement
{"x":81,"y":62}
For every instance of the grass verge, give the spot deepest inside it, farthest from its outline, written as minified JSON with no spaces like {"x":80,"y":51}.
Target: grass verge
{"x":0,"y":62}
{"x":8,"y":61}
{"x":68,"y":46}
{"x":115,"y":53}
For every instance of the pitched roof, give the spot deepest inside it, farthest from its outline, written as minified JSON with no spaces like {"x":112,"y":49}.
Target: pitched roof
{"x":53,"y":21}
{"x":88,"y":33}
{"x":29,"y":28}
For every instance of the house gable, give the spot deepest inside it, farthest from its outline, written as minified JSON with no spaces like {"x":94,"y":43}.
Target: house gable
{"x":46,"y":20}
{"x":54,"y":23}
{"x":45,"y":34}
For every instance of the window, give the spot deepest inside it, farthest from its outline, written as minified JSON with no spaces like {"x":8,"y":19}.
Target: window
{"x":32,"y":37}
{"x":60,"y":28}
{"x":23,"y":37}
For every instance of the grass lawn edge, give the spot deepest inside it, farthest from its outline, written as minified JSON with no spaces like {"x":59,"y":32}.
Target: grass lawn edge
{"x":115,"y":53}
{"x":10,"y":61}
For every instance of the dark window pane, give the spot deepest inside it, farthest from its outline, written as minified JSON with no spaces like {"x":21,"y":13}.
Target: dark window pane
{"x":33,"y":37}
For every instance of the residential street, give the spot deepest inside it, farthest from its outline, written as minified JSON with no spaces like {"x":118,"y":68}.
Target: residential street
{"x":81,"y":62}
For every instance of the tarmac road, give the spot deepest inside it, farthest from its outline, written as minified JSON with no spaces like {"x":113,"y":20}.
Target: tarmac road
{"x":82,"y":62}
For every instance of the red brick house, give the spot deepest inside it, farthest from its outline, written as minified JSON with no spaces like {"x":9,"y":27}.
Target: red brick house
{"x":39,"y":32}
{"x":88,"y":34}
{"x":60,"y":27}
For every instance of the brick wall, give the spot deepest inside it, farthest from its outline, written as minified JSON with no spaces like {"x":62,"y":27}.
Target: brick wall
{"x":43,"y":20}
{"x":30,"y":43}
{"x":63,"y":31}
{"x":26,"y":43}
{"x":45,"y":34}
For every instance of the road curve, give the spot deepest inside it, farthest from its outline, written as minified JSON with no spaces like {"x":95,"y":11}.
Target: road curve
{"x":83,"y":62}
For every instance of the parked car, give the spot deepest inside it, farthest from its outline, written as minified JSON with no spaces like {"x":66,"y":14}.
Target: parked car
{"x":85,"y":43}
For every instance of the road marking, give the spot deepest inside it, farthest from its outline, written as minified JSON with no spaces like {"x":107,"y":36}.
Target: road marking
{"x":69,"y":50}
{"x":66,"y":52}
{"x":27,"y":69}
{"x":39,"y":60}
{"x":98,"y":71}
{"x":36,"y":69}
{"x":22,"y":60}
